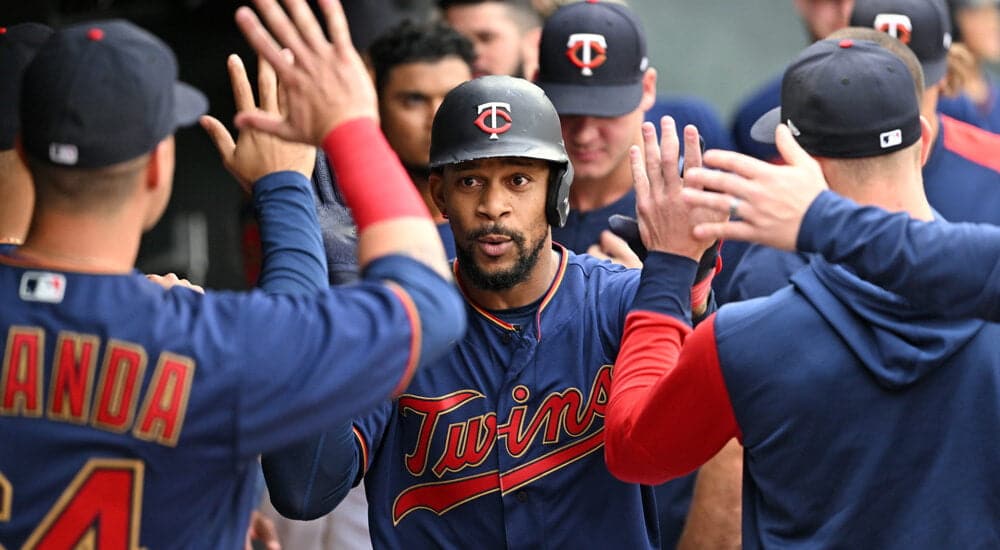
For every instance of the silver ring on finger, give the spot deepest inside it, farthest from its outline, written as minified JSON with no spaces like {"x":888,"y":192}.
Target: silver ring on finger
{"x":734,"y":205}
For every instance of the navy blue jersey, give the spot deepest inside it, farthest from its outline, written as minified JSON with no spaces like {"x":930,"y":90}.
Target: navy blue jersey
{"x":133,"y":416}
{"x":952,"y":269}
{"x":752,"y":108}
{"x":500,"y":446}
{"x":866,"y":421}
{"x":583,"y":229}
{"x":761,"y":271}
{"x":962,"y":174}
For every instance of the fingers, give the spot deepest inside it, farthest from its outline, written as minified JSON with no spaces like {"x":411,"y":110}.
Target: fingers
{"x":263,"y":121}
{"x":308,"y":27}
{"x":727,"y":231}
{"x":716,"y":202}
{"x":667,"y":154}
{"x":737,"y":163}
{"x":220,"y":136}
{"x":262,"y":42}
{"x":618,"y":249}
{"x":722,"y":182}
{"x":336,"y":25}
{"x":639,"y":178}
{"x":267,"y":86}
{"x":240,"y":83}
{"x":692,"y":148}
{"x":595,"y":251}
{"x":791,"y":152}
{"x":282,"y":28}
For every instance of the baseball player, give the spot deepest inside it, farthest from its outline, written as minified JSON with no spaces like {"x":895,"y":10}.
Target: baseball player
{"x":499,"y":445}
{"x":952,"y":269}
{"x":960,"y":174}
{"x":18,"y":45}
{"x":504,"y":33}
{"x":862,"y":417}
{"x":131,"y":416}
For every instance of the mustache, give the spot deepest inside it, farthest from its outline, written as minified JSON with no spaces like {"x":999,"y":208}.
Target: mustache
{"x":496,"y":229}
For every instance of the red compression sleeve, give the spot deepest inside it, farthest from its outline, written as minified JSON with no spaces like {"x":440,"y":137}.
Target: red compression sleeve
{"x":669,"y":410}
{"x":374,"y":184}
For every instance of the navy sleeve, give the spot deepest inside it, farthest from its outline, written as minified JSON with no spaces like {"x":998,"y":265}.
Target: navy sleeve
{"x":665,"y":285}
{"x":307,"y":480}
{"x":293,"y":258}
{"x":952,"y":269}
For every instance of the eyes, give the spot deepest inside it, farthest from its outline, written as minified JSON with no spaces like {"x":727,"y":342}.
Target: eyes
{"x":514,"y":180}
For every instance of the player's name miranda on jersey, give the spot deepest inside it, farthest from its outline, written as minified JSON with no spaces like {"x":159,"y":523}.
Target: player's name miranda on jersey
{"x":71,"y":395}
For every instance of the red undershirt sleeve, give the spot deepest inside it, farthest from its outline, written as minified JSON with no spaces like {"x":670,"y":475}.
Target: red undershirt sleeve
{"x":669,"y":410}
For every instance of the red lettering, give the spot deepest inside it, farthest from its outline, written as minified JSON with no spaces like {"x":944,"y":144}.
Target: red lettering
{"x":117,"y":389}
{"x":431,"y":409}
{"x":21,"y":379}
{"x":162,"y":415}
{"x":73,"y":377}
{"x":468,"y":444}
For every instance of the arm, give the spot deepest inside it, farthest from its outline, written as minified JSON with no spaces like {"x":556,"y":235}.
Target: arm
{"x":669,"y":410}
{"x":953,"y":269}
{"x":949,"y":268}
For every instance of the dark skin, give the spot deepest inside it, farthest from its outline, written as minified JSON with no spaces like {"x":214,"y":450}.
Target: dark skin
{"x":496,"y":208}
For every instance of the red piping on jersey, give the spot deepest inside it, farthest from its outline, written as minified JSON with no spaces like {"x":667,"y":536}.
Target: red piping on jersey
{"x":669,"y":410}
{"x":549,"y":294}
{"x":363,"y":445}
{"x":971,"y":143}
{"x":415,"y":339}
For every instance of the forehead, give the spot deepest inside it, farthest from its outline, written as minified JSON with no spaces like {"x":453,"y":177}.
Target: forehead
{"x":479,"y":17}
{"x":498,"y":164}
{"x":430,"y":77}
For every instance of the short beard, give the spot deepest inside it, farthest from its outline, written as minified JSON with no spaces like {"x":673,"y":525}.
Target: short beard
{"x":502,"y":280}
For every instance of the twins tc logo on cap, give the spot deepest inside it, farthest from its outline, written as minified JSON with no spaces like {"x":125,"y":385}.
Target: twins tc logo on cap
{"x":895,"y":25}
{"x":587,"y":51}
{"x":494,"y":118}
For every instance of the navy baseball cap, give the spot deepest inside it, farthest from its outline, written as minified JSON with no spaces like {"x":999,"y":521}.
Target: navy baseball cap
{"x":18,"y":45}
{"x":846,"y":99}
{"x":101,"y":93}
{"x":923,"y":25}
{"x":592,"y":58}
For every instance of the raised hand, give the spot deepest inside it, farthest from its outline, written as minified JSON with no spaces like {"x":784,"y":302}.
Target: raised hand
{"x":256,"y":154}
{"x":665,"y":221}
{"x":769,"y":200}
{"x":326,"y":81}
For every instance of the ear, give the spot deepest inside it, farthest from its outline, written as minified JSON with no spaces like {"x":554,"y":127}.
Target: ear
{"x":153,"y":167}
{"x":436,"y":184}
{"x":648,"y":90}
{"x":926,"y":140}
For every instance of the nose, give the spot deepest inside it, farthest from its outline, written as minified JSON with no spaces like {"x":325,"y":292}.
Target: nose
{"x":579,"y":129}
{"x":494,"y":201}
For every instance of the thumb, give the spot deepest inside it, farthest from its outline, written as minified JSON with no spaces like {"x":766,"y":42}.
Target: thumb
{"x":791,"y":151}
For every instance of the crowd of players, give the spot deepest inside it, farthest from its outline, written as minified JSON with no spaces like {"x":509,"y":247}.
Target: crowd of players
{"x":545,"y":388}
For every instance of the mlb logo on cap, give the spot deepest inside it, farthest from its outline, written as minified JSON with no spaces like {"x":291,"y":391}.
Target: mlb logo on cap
{"x":891,"y":139}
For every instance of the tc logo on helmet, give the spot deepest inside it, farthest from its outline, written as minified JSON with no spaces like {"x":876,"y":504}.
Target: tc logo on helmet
{"x":587,"y":51}
{"x":895,"y":25}
{"x":490,"y":115}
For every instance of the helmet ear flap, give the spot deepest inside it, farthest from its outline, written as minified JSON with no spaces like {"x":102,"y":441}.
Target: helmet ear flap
{"x":557,"y":197}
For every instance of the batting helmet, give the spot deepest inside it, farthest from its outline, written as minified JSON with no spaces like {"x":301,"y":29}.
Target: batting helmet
{"x":502,"y":116}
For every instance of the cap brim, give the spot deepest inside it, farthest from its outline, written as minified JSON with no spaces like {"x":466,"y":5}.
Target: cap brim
{"x":934,"y":71}
{"x":189,"y":104}
{"x":763,"y":130}
{"x":602,"y":101}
